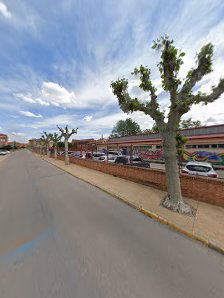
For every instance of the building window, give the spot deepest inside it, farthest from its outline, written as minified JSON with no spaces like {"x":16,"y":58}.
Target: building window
{"x":214,"y":145}
{"x":158,"y":146}
{"x":203,"y":146}
{"x":191,"y":146}
{"x":220,"y":145}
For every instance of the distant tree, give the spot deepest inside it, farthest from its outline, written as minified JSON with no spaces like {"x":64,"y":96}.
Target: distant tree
{"x":147,"y":131}
{"x":181,"y":99}
{"x":66,"y":135}
{"x":189,"y":123}
{"x":126,"y":128}
{"x":155,"y":128}
{"x":61,"y":144}
{"x":55,"y":138}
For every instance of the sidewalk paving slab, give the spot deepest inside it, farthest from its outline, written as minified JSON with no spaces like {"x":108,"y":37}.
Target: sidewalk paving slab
{"x":207,"y":226}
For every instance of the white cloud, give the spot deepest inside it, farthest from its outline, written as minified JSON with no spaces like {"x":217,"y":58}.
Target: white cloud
{"x":57,"y":95}
{"x":5,"y":11}
{"x":51,"y":94}
{"x":18,"y":134}
{"x":28,"y":98}
{"x":29,"y":114}
{"x":88,"y":118}
{"x":52,"y":122}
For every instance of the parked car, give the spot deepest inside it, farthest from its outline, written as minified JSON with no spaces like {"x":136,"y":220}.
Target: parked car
{"x":97,"y":155}
{"x":110,"y":158}
{"x":94,"y":155}
{"x":3,"y":152}
{"x":75,"y":155}
{"x":136,"y":161}
{"x":61,"y":152}
{"x":200,"y":168}
{"x":116,"y":153}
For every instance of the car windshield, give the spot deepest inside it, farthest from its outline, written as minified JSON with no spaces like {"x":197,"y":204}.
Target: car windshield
{"x":198,"y":168}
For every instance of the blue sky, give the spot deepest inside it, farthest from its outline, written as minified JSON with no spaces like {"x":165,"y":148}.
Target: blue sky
{"x":58,"y":58}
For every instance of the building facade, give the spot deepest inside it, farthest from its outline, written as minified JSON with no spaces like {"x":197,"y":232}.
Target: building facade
{"x":3,"y":140}
{"x":203,"y":144}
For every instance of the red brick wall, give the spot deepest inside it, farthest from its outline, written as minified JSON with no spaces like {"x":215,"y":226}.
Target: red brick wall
{"x":202,"y":189}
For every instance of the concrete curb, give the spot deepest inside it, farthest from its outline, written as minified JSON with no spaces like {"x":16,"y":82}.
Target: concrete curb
{"x":152,"y":215}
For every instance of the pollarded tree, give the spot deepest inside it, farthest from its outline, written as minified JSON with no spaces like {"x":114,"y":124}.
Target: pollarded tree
{"x":66,"y":134}
{"x":55,"y":138}
{"x":41,"y":144}
{"x":181,"y":99}
{"x":46,"y":138}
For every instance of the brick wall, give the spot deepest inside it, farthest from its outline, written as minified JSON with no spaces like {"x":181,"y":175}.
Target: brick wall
{"x":207,"y":190}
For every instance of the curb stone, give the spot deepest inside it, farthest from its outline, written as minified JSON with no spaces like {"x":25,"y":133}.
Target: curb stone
{"x":152,"y":215}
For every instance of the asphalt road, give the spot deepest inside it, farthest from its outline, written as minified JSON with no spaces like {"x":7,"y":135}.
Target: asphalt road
{"x":60,"y":237}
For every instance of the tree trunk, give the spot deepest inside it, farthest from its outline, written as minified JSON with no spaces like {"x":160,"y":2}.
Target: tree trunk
{"x":66,"y":152}
{"x":174,"y":199}
{"x":48,"y":152}
{"x":55,"y":151}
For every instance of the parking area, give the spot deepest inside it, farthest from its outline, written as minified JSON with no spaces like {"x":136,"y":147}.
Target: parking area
{"x":118,"y":158}
{"x":162,"y":167}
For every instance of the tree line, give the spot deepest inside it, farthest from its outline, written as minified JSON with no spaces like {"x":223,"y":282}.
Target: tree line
{"x":55,"y":138}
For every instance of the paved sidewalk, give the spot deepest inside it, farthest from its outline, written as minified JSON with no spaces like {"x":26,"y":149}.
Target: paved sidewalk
{"x":208,"y":225}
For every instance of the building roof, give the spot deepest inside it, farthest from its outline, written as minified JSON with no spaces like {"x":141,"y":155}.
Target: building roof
{"x":3,"y":135}
{"x":191,"y":132}
{"x":83,"y":141}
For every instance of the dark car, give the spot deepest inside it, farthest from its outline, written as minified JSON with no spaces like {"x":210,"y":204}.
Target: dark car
{"x":136,"y":161}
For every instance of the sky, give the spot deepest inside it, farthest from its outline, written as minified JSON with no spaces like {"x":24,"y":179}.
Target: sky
{"x":58,"y":58}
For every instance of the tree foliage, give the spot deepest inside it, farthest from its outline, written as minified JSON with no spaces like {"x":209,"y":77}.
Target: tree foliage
{"x":55,"y":138}
{"x":189,"y":123}
{"x":46,"y":138}
{"x":180,"y":143}
{"x":65,"y":132}
{"x":125,"y":128}
{"x":154,"y":129}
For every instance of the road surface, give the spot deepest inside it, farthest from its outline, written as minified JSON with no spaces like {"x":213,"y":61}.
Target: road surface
{"x":60,"y":237}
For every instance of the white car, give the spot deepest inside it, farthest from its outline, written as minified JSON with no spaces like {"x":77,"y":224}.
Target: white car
{"x":94,"y":155}
{"x":111,"y":158}
{"x":200,"y":169}
{"x":3,"y":152}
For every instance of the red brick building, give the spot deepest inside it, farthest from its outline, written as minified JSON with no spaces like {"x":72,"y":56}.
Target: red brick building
{"x":3,"y":140}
